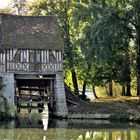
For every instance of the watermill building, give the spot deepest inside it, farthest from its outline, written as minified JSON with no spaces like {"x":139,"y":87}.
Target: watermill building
{"x":31,"y":62}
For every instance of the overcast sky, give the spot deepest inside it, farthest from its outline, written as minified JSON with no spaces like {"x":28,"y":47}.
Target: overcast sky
{"x":4,"y":3}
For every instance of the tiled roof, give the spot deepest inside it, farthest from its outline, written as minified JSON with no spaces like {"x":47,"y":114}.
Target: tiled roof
{"x":30,"y":32}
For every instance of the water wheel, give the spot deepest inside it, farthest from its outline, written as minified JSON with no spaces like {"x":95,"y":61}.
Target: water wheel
{"x":18,"y":105}
{"x":29,"y":106}
{"x":16,"y":98}
{"x":40,"y":107}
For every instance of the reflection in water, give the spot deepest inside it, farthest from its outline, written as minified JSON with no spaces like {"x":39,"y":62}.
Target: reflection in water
{"x":33,"y":120}
{"x":45,"y":117}
{"x":68,"y":134}
{"x":111,"y":135}
{"x":35,"y":126}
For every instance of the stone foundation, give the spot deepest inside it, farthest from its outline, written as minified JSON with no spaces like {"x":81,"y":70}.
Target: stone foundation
{"x":60,"y":106}
{"x":8,"y":91}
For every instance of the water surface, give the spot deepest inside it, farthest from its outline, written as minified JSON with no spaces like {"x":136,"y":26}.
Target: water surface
{"x":36,"y":126}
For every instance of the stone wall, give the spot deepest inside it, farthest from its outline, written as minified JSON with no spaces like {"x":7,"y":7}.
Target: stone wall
{"x":8,"y":91}
{"x":60,"y":106}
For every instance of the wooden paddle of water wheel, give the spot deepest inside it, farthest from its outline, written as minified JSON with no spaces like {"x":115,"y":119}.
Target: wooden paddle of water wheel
{"x":32,"y":92}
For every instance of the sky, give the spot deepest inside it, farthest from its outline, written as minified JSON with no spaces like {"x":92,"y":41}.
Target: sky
{"x":4,"y":3}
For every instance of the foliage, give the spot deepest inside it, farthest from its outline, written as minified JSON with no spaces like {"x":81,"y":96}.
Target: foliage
{"x":19,"y":7}
{"x":62,"y":9}
{"x":6,"y":11}
{"x":110,"y":33}
{"x":101,"y":38}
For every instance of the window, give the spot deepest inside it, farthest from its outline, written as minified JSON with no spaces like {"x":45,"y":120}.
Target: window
{"x":17,"y":56}
{"x":23,"y":55}
{"x":51,"y":57}
{"x":38,"y":57}
{"x":31,"y":56}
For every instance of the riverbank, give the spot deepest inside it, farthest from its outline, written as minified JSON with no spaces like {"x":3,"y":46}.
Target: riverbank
{"x":110,"y":108}
{"x":123,"y":109}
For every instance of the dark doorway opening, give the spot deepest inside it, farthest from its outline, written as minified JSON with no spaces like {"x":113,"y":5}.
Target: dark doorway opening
{"x":33,"y":91}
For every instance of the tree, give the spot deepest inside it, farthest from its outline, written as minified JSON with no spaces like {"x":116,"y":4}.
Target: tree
{"x":6,"y":11}
{"x":84,"y":20}
{"x":101,"y":30}
{"x":63,"y":10}
{"x":133,"y":16}
{"x":136,"y":5}
{"x":19,"y":7}
{"x":88,"y":54}
{"x":109,"y":37}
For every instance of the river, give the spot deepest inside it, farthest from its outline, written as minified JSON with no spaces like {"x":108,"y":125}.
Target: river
{"x":35,"y":126}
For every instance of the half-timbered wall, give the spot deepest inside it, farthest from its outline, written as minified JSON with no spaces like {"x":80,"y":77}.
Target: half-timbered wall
{"x":30,"y":60}
{"x":2,"y":61}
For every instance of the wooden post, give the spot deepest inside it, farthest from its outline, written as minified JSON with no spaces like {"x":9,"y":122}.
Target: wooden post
{"x":51,"y":92}
{"x":6,"y":60}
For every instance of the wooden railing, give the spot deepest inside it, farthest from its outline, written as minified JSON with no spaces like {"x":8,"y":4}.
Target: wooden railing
{"x":34,"y":67}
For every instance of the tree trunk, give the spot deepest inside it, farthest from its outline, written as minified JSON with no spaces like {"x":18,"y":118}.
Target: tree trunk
{"x":110,"y":91}
{"x":138,"y":63}
{"x":94,"y":92}
{"x":123,"y":90}
{"x":106,"y":89}
{"x":138,"y":75}
{"x":128,"y":75}
{"x":137,"y":18}
{"x":138,"y":85}
{"x":128,"y":89}
{"x":74,"y":80}
{"x":84,"y":90}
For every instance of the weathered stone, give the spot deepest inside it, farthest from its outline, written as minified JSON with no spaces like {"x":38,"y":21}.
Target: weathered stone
{"x":88,"y":116}
{"x":60,"y":106}
{"x":8,"y":91}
